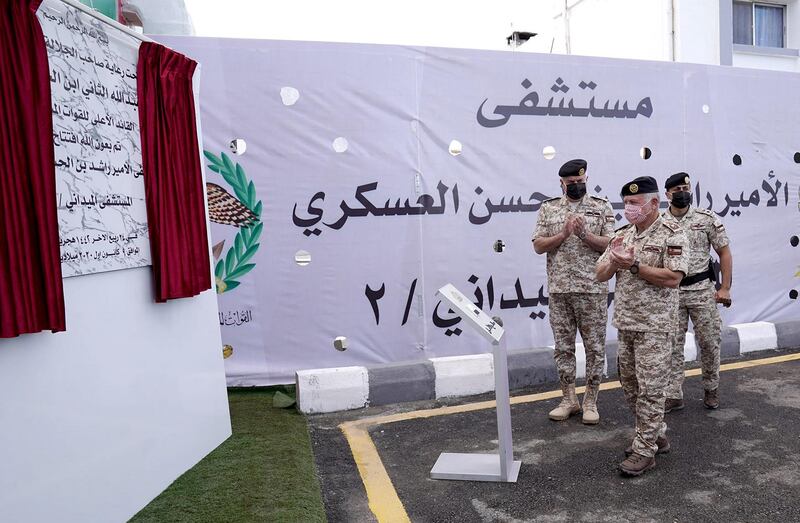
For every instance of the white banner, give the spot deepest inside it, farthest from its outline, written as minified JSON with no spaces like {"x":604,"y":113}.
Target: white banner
{"x":394,"y":171}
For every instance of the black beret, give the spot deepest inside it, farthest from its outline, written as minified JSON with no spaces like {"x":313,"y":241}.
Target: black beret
{"x":676,"y":179}
{"x":576,"y":167}
{"x":641,"y":185}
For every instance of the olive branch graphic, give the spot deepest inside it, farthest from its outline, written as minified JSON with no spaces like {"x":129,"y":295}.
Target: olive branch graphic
{"x":234,"y":263}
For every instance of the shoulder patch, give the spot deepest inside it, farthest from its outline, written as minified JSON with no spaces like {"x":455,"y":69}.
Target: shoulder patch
{"x":672,"y":226}
{"x":620,"y":229}
{"x":600,"y":198}
{"x":553,"y":199}
{"x":706,"y":212}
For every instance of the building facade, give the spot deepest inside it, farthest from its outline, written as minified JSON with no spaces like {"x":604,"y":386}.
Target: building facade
{"x":762,"y":34}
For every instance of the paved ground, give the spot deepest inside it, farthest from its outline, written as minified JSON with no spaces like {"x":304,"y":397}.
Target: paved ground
{"x":739,"y":463}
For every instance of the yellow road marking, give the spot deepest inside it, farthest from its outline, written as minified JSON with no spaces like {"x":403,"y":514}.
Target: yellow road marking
{"x":383,"y":499}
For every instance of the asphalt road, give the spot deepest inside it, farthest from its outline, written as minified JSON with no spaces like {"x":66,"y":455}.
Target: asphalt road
{"x":740,"y":463}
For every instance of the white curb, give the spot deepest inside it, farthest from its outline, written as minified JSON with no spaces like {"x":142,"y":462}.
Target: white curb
{"x":690,"y":348}
{"x":756,"y":336}
{"x":331,"y":390}
{"x":463,"y":375}
{"x":580,"y":360}
{"x":345,"y":388}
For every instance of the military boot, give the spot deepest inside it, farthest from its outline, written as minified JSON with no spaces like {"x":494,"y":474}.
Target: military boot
{"x":636,"y":465}
{"x":673,"y":404}
{"x":663,"y":446}
{"x":711,"y":399}
{"x":569,"y":404}
{"x":590,"y":414}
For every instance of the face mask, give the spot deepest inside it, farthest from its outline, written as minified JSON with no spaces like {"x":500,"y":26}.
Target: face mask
{"x":682,"y":199}
{"x":636,"y":213}
{"x":576,"y":191}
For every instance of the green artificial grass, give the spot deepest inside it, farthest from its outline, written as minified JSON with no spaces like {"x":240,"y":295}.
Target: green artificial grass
{"x":263,"y":472}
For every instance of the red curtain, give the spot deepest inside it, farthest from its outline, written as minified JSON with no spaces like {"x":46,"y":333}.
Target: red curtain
{"x":173,"y":178}
{"x":31,"y":292}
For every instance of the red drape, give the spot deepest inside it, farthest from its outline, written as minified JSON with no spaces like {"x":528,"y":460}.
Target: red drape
{"x":173,"y":178}
{"x":31,"y":292}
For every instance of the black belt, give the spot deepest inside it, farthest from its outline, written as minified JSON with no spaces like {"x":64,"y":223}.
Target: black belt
{"x":700,"y":276}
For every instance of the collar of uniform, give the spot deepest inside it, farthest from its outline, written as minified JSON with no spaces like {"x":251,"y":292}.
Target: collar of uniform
{"x":647,"y":232}
{"x":581,"y":202}
{"x":669,"y":216}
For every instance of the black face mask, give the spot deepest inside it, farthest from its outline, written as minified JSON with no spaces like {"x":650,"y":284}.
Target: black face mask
{"x":576,"y":191}
{"x":682,"y":199}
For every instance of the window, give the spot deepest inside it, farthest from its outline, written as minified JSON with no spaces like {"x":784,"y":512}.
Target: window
{"x":756,"y":24}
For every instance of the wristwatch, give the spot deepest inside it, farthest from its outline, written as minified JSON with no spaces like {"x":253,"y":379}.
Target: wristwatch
{"x":635,"y":267}
{"x":582,"y":235}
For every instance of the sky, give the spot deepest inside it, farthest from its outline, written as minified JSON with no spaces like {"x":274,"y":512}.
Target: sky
{"x":439,"y":23}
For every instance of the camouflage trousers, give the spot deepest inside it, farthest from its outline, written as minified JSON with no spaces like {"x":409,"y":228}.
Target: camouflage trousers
{"x":643,"y":361}
{"x":587,"y":313}
{"x":701,"y":307}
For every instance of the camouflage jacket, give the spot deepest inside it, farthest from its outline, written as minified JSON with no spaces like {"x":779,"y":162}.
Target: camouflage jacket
{"x":570,"y":267}
{"x":703,"y":230}
{"x":638,"y":304}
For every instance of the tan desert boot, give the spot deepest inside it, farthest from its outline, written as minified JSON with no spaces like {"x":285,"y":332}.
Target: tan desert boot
{"x":590,"y":414}
{"x":569,"y":404}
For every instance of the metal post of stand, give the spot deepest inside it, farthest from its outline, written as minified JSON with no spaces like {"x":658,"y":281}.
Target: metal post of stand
{"x":509,"y":469}
{"x":499,"y":467}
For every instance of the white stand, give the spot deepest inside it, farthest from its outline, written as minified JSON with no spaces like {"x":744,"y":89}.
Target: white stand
{"x":483,"y":467}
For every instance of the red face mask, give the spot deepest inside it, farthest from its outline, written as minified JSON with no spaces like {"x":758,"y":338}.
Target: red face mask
{"x":637,"y":213}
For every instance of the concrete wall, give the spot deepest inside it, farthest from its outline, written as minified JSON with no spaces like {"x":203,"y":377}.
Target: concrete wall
{"x":697,"y":26}
{"x":98,"y":420}
{"x":754,"y":60}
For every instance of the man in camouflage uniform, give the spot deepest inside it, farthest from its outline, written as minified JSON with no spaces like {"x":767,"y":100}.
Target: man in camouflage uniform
{"x":573,"y":230}
{"x":698,"y":300}
{"x":649,"y":259}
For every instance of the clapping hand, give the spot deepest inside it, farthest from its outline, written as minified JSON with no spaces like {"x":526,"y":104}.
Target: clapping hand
{"x":569,"y":226}
{"x":622,"y":257}
{"x":579,"y":225}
